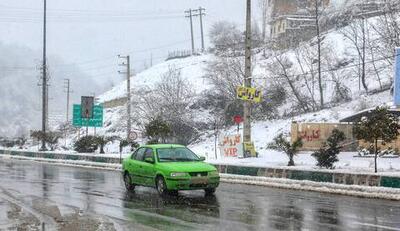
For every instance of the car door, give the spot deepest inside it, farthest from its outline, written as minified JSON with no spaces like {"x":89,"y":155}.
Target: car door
{"x":135,"y":166}
{"x":148,"y":170}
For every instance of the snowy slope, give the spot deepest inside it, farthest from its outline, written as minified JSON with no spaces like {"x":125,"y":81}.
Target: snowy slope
{"x":191,"y":69}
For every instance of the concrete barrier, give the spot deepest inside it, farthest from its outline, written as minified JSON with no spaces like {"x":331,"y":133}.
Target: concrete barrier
{"x":324,"y":176}
{"x":315,"y":176}
{"x":62,"y":156}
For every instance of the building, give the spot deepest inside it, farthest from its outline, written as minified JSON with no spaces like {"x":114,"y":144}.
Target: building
{"x":293,"y":21}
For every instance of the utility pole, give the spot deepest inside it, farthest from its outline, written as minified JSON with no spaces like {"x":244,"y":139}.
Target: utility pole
{"x":190,"y":16}
{"x":151,"y":59}
{"x":44,"y":82}
{"x":247,"y":76}
{"x":128,"y":89}
{"x":67,"y":89}
{"x":201,"y":14}
{"x":94,"y":102}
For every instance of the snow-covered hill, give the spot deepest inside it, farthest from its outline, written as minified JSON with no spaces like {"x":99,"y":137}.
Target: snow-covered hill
{"x":341,"y":68}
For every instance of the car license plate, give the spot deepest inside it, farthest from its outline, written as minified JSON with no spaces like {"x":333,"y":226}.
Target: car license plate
{"x":199,"y":180}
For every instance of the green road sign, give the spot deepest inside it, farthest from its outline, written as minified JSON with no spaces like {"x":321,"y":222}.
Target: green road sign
{"x":96,"y":121}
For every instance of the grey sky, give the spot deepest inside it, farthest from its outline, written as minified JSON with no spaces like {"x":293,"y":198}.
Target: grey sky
{"x":90,"y":33}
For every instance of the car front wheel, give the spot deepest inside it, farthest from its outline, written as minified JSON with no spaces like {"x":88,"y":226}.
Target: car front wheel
{"x":209,"y":191}
{"x":161,"y":186}
{"x":128,"y":182}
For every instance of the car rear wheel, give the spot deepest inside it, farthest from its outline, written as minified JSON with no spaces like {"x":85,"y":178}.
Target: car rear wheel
{"x":209,"y":191}
{"x":128,"y":182}
{"x":161,"y":186}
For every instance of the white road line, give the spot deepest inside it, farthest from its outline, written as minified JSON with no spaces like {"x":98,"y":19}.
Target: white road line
{"x":377,"y":226}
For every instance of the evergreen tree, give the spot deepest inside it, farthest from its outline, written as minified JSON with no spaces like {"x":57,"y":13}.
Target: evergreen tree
{"x":291,"y":149}
{"x":379,"y":124}
{"x":157,"y":130}
{"x":327,"y":155}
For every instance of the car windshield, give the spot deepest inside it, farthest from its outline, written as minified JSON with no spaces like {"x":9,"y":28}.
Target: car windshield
{"x":176,"y":154}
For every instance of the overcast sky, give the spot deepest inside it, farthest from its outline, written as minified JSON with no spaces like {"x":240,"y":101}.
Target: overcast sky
{"x":91,"y":33}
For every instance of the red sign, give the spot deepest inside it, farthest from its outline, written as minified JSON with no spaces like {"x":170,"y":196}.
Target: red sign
{"x":237,"y":119}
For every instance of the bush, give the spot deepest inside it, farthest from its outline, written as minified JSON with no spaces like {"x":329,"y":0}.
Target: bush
{"x":124,"y":143}
{"x":327,"y":155}
{"x":86,"y":144}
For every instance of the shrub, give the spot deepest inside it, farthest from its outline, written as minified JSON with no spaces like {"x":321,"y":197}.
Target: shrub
{"x":86,"y":144}
{"x":327,"y":155}
{"x":123,"y":143}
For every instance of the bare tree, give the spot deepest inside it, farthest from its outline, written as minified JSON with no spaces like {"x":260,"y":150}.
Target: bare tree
{"x":226,"y":38}
{"x":356,"y":33}
{"x":226,"y":74}
{"x":170,"y":100}
{"x":281,"y":70}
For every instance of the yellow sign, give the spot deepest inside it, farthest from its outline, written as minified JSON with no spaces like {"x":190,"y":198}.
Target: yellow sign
{"x":249,"y":94}
{"x":249,"y":149}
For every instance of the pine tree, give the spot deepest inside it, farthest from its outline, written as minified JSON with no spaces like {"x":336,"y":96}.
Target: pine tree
{"x":379,"y":124}
{"x":327,"y":155}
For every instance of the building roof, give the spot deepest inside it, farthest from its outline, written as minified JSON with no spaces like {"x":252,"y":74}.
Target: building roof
{"x":357,"y":117}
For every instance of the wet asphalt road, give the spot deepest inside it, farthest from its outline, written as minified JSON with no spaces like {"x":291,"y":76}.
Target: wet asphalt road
{"x":101,"y":195}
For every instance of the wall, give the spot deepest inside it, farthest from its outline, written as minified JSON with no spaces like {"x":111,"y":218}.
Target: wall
{"x":315,"y":134}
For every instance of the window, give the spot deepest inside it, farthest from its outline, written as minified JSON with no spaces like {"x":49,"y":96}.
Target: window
{"x":176,"y":154}
{"x":139,"y":154}
{"x":148,"y":153}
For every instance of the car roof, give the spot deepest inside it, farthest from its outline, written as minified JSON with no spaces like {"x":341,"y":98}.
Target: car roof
{"x":156,"y":146}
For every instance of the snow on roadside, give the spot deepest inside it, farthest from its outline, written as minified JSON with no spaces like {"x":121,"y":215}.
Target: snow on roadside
{"x":349,"y":190}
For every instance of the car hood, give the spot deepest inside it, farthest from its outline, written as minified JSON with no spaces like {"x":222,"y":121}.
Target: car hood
{"x":187,"y":166}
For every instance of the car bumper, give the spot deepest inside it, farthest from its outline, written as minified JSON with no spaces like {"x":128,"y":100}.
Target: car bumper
{"x":192,"y":184}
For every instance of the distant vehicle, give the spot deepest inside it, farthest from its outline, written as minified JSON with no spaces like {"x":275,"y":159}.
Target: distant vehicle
{"x":169,"y":168}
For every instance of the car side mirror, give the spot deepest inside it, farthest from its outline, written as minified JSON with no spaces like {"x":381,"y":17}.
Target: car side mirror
{"x":149,"y":160}
{"x":202,"y":158}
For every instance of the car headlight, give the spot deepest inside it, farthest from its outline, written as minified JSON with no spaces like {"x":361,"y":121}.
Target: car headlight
{"x":213,"y":173}
{"x":178,"y":174}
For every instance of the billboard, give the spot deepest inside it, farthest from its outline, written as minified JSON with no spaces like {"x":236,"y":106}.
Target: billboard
{"x":396,"y":94}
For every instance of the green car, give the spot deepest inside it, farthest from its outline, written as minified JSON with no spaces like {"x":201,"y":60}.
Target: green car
{"x":169,"y":168}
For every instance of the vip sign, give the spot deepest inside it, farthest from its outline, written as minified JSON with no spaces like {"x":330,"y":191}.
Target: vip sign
{"x":231,"y":146}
